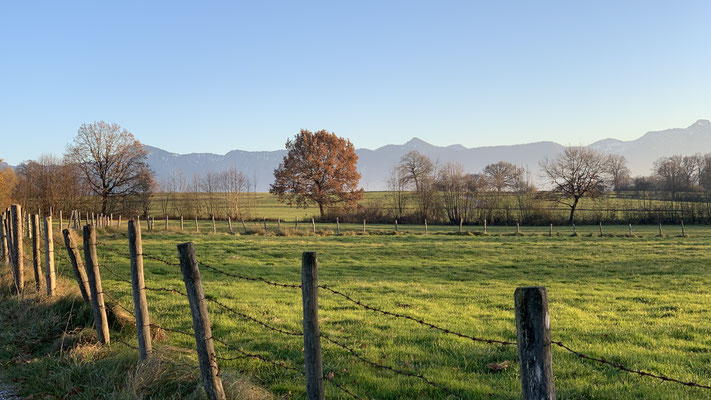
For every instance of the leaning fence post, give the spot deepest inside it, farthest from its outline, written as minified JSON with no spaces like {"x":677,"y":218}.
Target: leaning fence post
{"x":313,"y":225}
{"x":77,"y":265}
{"x":312,"y":334}
{"x":3,"y":241}
{"x":533,"y":333}
{"x":36,"y":255}
{"x":201,"y":323}
{"x":49,"y":280}
{"x":97,"y":295}
{"x":683,"y":232}
{"x":138,"y":286}
{"x":244,"y":227}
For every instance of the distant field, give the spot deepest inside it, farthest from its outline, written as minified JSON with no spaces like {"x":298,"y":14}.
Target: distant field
{"x":643,"y":301}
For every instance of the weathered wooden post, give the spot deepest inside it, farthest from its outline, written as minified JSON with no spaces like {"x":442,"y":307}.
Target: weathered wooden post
{"x":166,"y":222}
{"x":363,"y":226}
{"x":279,"y":225}
{"x":518,"y":228}
{"x":77,"y":266}
{"x":29,"y":225}
{"x":425,"y":226}
{"x":550,"y":230}
{"x":201,"y":323}
{"x":244,"y":226}
{"x":3,"y":241}
{"x":214,"y":228}
{"x":97,"y":294}
{"x":118,"y":224}
{"x":600,"y":228}
{"x":17,"y":250}
{"x":197,"y":228}
{"x":484,"y":225}
{"x":229,"y":224}
{"x":630,"y":230}
{"x":313,"y":225}
{"x":60,"y":221}
{"x":660,"y":229}
{"x":683,"y":232}
{"x":533,"y":333}
{"x":461,"y":221}
{"x":138,"y":286}
{"x":312,"y":333}
{"x":181,"y":223}
{"x":36,"y":255}
{"x":575,"y":230}
{"x":395,"y":225}
{"x":49,"y":276}
{"x":338,"y":226}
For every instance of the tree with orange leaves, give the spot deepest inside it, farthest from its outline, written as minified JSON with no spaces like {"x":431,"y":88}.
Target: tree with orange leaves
{"x":319,"y":168}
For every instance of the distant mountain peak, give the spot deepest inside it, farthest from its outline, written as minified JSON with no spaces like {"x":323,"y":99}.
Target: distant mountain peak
{"x":416,"y":142}
{"x":702,"y":123}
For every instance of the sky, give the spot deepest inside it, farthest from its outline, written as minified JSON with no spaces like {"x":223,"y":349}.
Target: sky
{"x":218,"y":76}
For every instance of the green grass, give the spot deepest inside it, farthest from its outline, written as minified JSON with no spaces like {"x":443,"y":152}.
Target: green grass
{"x":642,"y":301}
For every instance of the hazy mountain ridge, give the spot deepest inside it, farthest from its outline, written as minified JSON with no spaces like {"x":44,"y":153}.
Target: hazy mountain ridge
{"x":375,"y":165}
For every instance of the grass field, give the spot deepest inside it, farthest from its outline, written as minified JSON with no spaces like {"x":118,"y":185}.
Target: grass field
{"x":640,"y":300}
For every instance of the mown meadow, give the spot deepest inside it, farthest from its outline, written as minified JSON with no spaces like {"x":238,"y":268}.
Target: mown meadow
{"x":640,"y":300}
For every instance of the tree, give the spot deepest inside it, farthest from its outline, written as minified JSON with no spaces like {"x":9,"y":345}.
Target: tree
{"x":616,"y":168}
{"x":574,"y":173}
{"x":319,"y":168}
{"x":418,"y":170}
{"x":503,"y":175}
{"x":112,"y":161}
{"x":397,"y":186}
{"x":452,"y":184}
{"x":7,"y":184}
{"x":676,"y":173}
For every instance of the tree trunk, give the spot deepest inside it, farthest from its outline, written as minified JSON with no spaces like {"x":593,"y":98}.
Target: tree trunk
{"x":320,"y":207}
{"x":572,"y":209}
{"x":104,"y":201}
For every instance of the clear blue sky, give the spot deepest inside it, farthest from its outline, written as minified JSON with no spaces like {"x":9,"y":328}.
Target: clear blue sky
{"x":213,"y":77}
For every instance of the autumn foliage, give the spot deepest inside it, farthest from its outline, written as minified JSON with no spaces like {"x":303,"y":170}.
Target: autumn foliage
{"x":319,"y":168}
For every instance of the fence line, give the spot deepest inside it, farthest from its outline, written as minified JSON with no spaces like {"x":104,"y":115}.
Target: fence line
{"x":243,"y":354}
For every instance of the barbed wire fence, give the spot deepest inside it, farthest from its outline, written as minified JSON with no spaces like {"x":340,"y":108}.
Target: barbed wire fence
{"x":534,"y":353}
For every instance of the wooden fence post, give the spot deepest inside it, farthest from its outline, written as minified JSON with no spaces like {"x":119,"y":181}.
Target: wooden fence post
{"x":395,"y":225}
{"x":244,"y":226}
{"x":312,"y":334}
{"x":683,"y":232}
{"x":77,"y":266}
{"x":484,"y":225}
{"x":425,"y":226}
{"x":201,"y":323}
{"x":518,"y":228}
{"x":97,"y":295}
{"x":181,"y":223}
{"x":214,"y":228}
{"x":533,"y":333}
{"x":660,"y":229}
{"x":49,"y":277}
{"x":600,"y":228}
{"x":338,"y":226}
{"x":197,"y":228}
{"x":630,"y":230}
{"x":118,"y":224}
{"x":313,"y":225}
{"x":575,"y":230}
{"x":166,"y":222}
{"x":36,"y":254}
{"x":279,"y":225}
{"x":296,"y":223}
{"x":60,"y":221}
{"x":17,"y":251}
{"x":461,"y":221}
{"x":363,"y":226}
{"x":550,"y":230}
{"x":3,"y":241}
{"x":138,"y":286}
{"x":229,"y":224}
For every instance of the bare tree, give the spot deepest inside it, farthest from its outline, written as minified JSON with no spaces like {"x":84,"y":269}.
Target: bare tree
{"x":415,"y":168}
{"x":113,"y":162}
{"x":574,"y":173}
{"x":397,"y":187}
{"x":503,"y":175}
{"x":452,"y":185}
{"x":676,"y":173}
{"x":616,"y":168}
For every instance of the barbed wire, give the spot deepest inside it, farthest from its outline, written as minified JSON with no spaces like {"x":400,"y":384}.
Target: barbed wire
{"x":419,"y":321}
{"x":252,"y":355}
{"x":376,"y":364}
{"x":621,"y":367}
{"x":341,"y":388}
{"x":264,"y":324}
{"x":247,"y":278}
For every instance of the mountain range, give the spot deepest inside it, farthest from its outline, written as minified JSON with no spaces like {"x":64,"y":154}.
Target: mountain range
{"x":375,"y":165}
